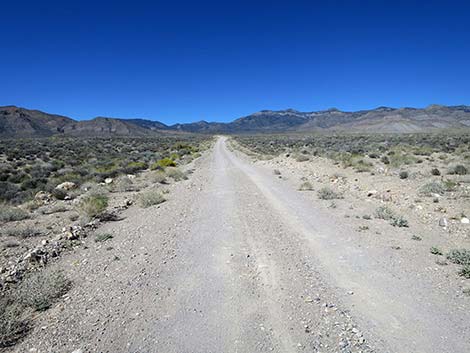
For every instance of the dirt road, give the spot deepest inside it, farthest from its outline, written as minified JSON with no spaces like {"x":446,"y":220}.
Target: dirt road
{"x":238,"y":260}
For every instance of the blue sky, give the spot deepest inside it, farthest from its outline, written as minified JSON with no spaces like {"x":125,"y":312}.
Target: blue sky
{"x":185,"y":61}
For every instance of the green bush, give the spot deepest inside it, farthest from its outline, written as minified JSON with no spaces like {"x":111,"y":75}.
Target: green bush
{"x":435,"y":251}
{"x":103,"y":237}
{"x":459,"y":256}
{"x":175,"y":174}
{"x":458,"y":170}
{"x":11,"y":214}
{"x":13,"y":324}
{"x":384,"y":212}
{"x":159,"y":177}
{"x":399,"y":221}
{"x":435,"y":171}
{"x":430,"y":188}
{"x":403,"y":175}
{"x":302,"y":158}
{"x":39,"y":290}
{"x":306,"y":186}
{"x":465,"y":272}
{"x":166,"y":162}
{"x":93,"y":205}
{"x":326,"y":193}
{"x":150,"y":198}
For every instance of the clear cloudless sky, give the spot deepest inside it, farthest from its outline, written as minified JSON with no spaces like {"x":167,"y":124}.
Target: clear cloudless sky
{"x":181,"y":61}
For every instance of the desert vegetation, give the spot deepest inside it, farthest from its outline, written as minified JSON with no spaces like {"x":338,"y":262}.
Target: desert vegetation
{"x":417,"y":183}
{"x":54,"y":191}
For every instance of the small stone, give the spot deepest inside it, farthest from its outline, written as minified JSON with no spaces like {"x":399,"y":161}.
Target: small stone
{"x":67,"y":185}
{"x":465,"y":220}
{"x":70,"y":236}
{"x":108,"y":180}
{"x":443,"y":222}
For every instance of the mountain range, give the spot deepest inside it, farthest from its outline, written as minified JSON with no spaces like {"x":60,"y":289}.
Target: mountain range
{"x":21,"y":122}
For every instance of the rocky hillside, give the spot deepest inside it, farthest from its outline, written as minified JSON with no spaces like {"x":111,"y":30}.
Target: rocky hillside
{"x":20,"y":122}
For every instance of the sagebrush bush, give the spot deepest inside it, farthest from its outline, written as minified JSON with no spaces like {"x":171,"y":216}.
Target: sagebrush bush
{"x":458,"y":170}
{"x":306,"y":186}
{"x":11,"y":214}
{"x":302,"y":158}
{"x":435,"y":171}
{"x":326,"y":193}
{"x":431,"y":188}
{"x":175,"y":174}
{"x":159,"y":177}
{"x":103,"y":237}
{"x":21,"y":232}
{"x":150,"y":198}
{"x":93,"y":205}
{"x":403,"y":175}
{"x":465,"y":272}
{"x":123,"y":184}
{"x":459,"y":256}
{"x":384,"y":212}
{"x":41,"y":289}
{"x":13,"y":324}
{"x":399,"y":221}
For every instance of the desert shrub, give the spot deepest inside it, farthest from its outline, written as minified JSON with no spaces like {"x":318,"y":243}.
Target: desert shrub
{"x":326,"y":193}
{"x":306,"y":186}
{"x":174,"y":156}
{"x":435,"y":251}
{"x":431,"y":188}
{"x":159,"y":177}
{"x":302,"y":158}
{"x":465,"y":272}
{"x":166,"y":162}
{"x":361,"y":165}
{"x":39,"y":290}
{"x":123,"y":184}
{"x":13,"y":324}
{"x":175,"y":174}
{"x":385,"y":160}
{"x":399,"y":159}
{"x":59,"y":194}
{"x":435,"y":171}
{"x":399,"y":221}
{"x":103,"y":237}
{"x":11,"y":214}
{"x":450,"y":185}
{"x":93,"y":205}
{"x":459,"y":256}
{"x":384,"y":212}
{"x":403,"y":175}
{"x":150,"y":198}
{"x":277,"y":172}
{"x":134,"y":167}
{"x":21,"y":232}
{"x":8,"y":191}
{"x":458,"y":170}
{"x":54,"y":209}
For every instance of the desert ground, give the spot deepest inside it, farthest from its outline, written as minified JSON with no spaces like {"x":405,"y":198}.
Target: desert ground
{"x":244,"y":251}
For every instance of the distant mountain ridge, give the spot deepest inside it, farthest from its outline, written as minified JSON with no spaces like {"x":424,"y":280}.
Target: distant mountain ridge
{"x":21,"y":122}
